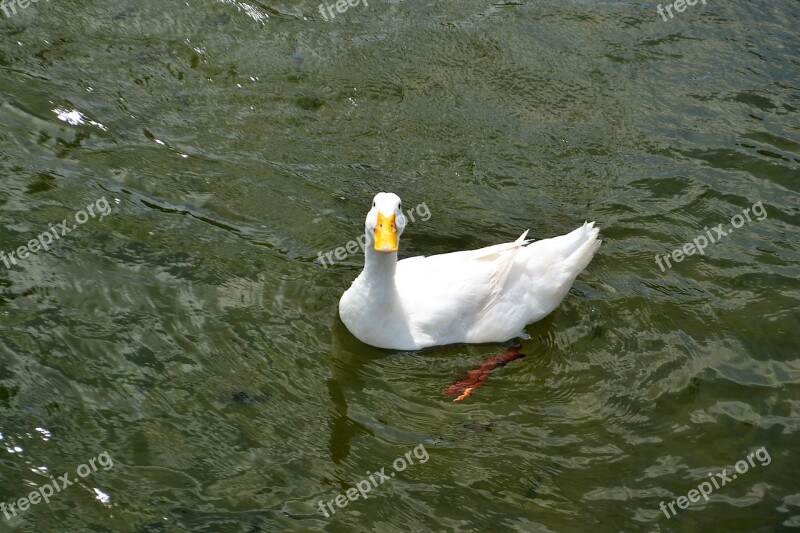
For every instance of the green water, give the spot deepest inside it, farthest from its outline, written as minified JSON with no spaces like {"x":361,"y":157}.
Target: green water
{"x":192,"y":333}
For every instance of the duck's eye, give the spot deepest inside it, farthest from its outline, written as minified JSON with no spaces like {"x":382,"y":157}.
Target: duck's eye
{"x":373,"y":204}
{"x":400,"y":207}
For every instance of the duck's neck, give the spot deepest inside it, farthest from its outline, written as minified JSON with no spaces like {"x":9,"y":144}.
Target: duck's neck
{"x":379,"y":268}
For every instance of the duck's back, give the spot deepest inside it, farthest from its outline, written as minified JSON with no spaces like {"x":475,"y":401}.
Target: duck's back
{"x":490,"y":294}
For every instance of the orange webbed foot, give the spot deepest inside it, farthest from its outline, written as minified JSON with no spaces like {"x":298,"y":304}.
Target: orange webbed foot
{"x":477,"y":378}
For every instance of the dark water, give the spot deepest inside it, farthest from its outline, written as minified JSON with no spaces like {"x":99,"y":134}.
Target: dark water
{"x":192,"y":335}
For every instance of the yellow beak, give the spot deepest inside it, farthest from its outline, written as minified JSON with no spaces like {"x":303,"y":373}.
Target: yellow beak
{"x":386,"y":234}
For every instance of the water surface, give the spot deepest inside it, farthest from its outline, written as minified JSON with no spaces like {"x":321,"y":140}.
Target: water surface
{"x":192,"y":333}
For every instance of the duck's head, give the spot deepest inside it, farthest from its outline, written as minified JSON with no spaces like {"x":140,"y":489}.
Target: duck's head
{"x":385,"y":222}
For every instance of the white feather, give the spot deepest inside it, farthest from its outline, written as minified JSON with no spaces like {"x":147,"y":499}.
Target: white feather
{"x":475,"y":296}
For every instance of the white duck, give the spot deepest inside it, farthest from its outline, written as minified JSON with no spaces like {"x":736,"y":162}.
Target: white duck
{"x":475,"y":296}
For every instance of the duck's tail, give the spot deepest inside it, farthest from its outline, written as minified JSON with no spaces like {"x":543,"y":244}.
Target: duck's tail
{"x":578,"y":246}
{"x":553,"y":264}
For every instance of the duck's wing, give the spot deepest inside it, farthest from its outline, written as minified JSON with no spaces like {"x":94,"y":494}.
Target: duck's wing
{"x":443,"y":295}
